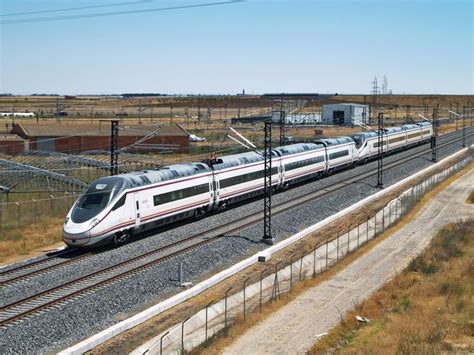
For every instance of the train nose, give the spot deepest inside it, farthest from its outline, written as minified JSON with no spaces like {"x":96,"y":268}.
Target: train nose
{"x":76,"y":236}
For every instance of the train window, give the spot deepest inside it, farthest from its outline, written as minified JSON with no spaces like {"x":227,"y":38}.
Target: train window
{"x":413,"y":135}
{"x":376,"y":144}
{"x":120,"y":202}
{"x":138,"y":207}
{"x":180,"y":194}
{"x":338,"y":154}
{"x":397,"y":139}
{"x":240,"y":179}
{"x":302,"y":163}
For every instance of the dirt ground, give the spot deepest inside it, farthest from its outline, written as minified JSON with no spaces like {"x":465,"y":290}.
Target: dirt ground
{"x":298,"y":325}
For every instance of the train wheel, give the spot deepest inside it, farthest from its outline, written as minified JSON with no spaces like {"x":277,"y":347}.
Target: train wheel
{"x":223,"y":206}
{"x":121,"y":238}
{"x":199,"y":213}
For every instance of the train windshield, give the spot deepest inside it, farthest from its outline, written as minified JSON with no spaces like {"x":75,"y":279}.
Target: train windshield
{"x":358,"y":139}
{"x":98,"y":195}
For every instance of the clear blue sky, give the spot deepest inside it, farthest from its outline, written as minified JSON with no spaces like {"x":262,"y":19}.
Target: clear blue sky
{"x":263,"y":46}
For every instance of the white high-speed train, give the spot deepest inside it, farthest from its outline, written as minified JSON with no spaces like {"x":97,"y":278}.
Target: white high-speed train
{"x":115,"y":208}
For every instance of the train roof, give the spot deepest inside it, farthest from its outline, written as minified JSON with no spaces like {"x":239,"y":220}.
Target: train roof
{"x":424,"y":124}
{"x":392,"y":130}
{"x":171,"y":172}
{"x":410,"y":126}
{"x":228,"y":161}
{"x":334,"y":141}
{"x":297,"y":148}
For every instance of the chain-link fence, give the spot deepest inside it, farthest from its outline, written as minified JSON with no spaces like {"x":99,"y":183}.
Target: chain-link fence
{"x":258,"y":291}
{"x":23,"y":213}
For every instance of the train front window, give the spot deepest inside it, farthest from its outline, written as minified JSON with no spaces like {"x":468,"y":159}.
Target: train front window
{"x":96,"y":198}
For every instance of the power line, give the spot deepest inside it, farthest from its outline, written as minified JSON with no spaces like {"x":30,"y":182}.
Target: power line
{"x":76,"y":8}
{"x":115,"y":13}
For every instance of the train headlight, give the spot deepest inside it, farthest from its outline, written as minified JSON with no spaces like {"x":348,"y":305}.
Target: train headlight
{"x":94,"y":222}
{"x":66,"y":220}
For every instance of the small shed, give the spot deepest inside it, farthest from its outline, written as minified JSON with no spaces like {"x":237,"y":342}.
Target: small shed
{"x":345,"y":114}
{"x":76,"y":138}
{"x":11,"y":144}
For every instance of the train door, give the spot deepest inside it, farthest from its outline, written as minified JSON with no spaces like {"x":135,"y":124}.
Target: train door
{"x":281,"y":169}
{"x":214,"y":187}
{"x":137,"y":209}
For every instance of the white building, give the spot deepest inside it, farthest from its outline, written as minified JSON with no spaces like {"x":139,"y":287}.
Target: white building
{"x":17,"y":114}
{"x":345,"y":114}
{"x":307,"y":118}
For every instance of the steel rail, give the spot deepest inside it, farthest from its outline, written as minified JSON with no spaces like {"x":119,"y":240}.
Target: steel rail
{"x":7,"y":278}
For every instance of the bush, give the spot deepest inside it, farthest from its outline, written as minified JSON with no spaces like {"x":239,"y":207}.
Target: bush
{"x":404,"y":305}
{"x":450,"y":287}
{"x":420,"y":264}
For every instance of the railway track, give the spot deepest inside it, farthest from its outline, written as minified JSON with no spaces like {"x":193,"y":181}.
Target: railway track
{"x":39,"y":267}
{"x":81,"y":286}
{"x":56,"y":259}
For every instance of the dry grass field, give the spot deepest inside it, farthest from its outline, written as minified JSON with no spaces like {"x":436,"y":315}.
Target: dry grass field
{"x":427,"y":309}
{"x":35,"y":239}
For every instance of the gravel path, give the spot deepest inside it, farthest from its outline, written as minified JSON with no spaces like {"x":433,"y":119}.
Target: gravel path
{"x":85,"y":316}
{"x":298,"y":325}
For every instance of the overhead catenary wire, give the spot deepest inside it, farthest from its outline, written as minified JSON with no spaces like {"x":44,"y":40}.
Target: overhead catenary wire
{"x":75,"y":8}
{"x":116,"y":13}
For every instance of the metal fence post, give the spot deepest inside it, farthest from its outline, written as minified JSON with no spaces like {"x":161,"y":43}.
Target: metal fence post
{"x":225,"y":308}
{"x":18,"y":207}
{"x":358,"y":234}
{"x":390,"y":214}
{"x":383,"y":218}
{"x":161,"y":342}
{"x":367,"y":230}
{"x":261,"y":287}
{"x":301,"y":265}
{"x":182,"y":334}
{"x":276,"y":286}
{"x":245,"y":285}
{"x":327,"y":246}
{"x":207,"y":308}
{"x":375,"y":224}
{"x":348,"y":239}
{"x":314,"y":259}
{"x":291,"y":272}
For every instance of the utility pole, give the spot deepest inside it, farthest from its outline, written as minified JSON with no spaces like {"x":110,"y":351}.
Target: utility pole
{"x":464,"y":128}
{"x":267,"y":204}
{"x":140,"y":112}
{"x":58,"y":113}
{"x":114,"y":148}
{"x":380,"y":152}
{"x":364,"y":115}
{"x":433,"y":137}
{"x":282,"y":123}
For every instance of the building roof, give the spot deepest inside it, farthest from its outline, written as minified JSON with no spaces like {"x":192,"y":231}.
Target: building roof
{"x":346,"y":104}
{"x":103,"y":129}
{"x":9,"y":137}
